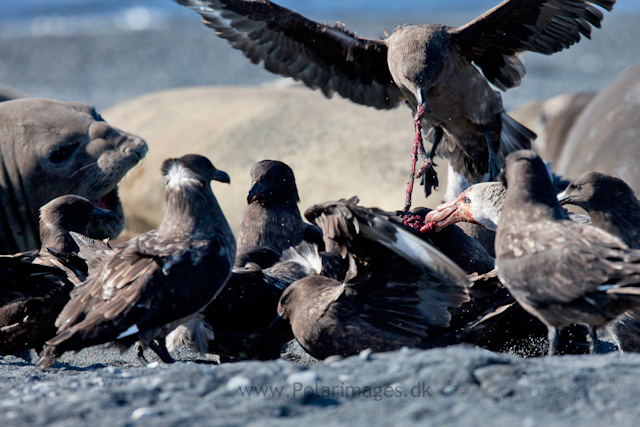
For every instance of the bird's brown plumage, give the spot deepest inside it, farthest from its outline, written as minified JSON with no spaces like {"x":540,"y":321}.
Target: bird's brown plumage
{"x":561,"y":271}
{"x":433,"y":62}
{"x":152,"y":283}
{"x":271,"y":217}
{"x":29,"y":324}
{"x":613,"y":207}
{"x":397,"y":292}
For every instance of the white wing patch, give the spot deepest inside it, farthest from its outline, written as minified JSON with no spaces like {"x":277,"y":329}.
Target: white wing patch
{"x":411,"y":247}
{"x":131,"y":331}
{"x":306,"y":255}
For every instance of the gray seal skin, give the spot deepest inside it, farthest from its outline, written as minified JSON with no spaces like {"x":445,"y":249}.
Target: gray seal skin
{"x":49,"y":149}
{"x":552,"y":120}
{"x":605,"y":136}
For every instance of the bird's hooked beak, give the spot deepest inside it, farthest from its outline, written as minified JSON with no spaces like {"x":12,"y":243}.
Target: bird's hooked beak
{"x":106,"y":214}
{"x":277,"y":322}
{"x":422,"y":100}
{"x":450,"y":213}
{"x":564,"y":198}
{"x":221,"y":176}
{"x":255,"y":191}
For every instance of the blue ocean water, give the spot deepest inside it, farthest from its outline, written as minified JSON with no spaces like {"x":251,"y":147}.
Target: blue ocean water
{"x":60,"y":16}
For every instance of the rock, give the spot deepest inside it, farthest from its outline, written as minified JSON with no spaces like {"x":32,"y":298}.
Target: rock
{"x":142,"y":413}
{"x":237,"y":382}
{"x":365,"y":354}
{"x":6,"y":93}
{"x":304,"y":378}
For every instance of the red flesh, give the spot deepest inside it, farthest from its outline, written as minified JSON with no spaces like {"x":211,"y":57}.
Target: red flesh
{"x":417,"y":143}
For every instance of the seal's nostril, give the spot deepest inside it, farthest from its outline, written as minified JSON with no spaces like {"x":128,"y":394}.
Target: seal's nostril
{"x":136,"y":147}
{"x":141,"y":147}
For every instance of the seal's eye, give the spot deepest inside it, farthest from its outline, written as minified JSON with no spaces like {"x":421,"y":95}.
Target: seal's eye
{"x":63,"y":153}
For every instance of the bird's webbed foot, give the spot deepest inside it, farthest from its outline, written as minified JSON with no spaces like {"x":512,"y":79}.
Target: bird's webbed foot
{"x":158,"y":346}
{"x":139,"y":349}
{"x":427,"y":173}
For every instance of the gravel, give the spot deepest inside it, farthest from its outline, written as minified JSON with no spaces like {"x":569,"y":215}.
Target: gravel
{"x":458,"y":385}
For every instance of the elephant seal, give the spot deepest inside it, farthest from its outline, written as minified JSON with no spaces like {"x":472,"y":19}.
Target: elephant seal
{"x":606,"y":136}
{"x":6,"y":93}
{"x":552,"y":119}
{"x":50,"y":148}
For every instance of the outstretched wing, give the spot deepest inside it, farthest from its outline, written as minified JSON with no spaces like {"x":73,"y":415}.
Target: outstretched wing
{"x":91,"y":250}
{"x":544,"y":26}
{"x":401,"y":277}
{"x":326,"y":57}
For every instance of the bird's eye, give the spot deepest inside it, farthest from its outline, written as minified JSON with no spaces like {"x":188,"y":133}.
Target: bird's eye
{"x":467,"y":200}
{"x":63,"y":153}
{"x":285,"y":299}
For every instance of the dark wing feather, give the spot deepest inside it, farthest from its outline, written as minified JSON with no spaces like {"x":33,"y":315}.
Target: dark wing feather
{"x":152,"y":245}
{"x":401,"y":281}
{"x":129,"y":286}
{"x":559,"y":262}
{"x":110,"y":289}
{"x":241,"y":315}
{"x":543,"y":26}
{"x":326,"y":57}
{"x":91,"y":250}
{"x":21,"y":280}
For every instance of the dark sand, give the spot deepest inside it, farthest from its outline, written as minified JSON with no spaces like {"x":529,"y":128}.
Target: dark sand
{"x":459,"y":386}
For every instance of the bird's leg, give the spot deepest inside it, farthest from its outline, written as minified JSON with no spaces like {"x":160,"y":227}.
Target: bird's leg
{"x":427,"y":172}
{"x":553,"y":340}
{"x":417,"y":145}
{"x":494,"y":167}
{"x":140,"y":353}
{"x":159,"y":348}
{"x":593,"y":339}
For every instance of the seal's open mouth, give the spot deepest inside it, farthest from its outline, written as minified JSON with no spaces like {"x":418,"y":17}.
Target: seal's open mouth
{"x":109,"y":200}
{"x":102,"y":228}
